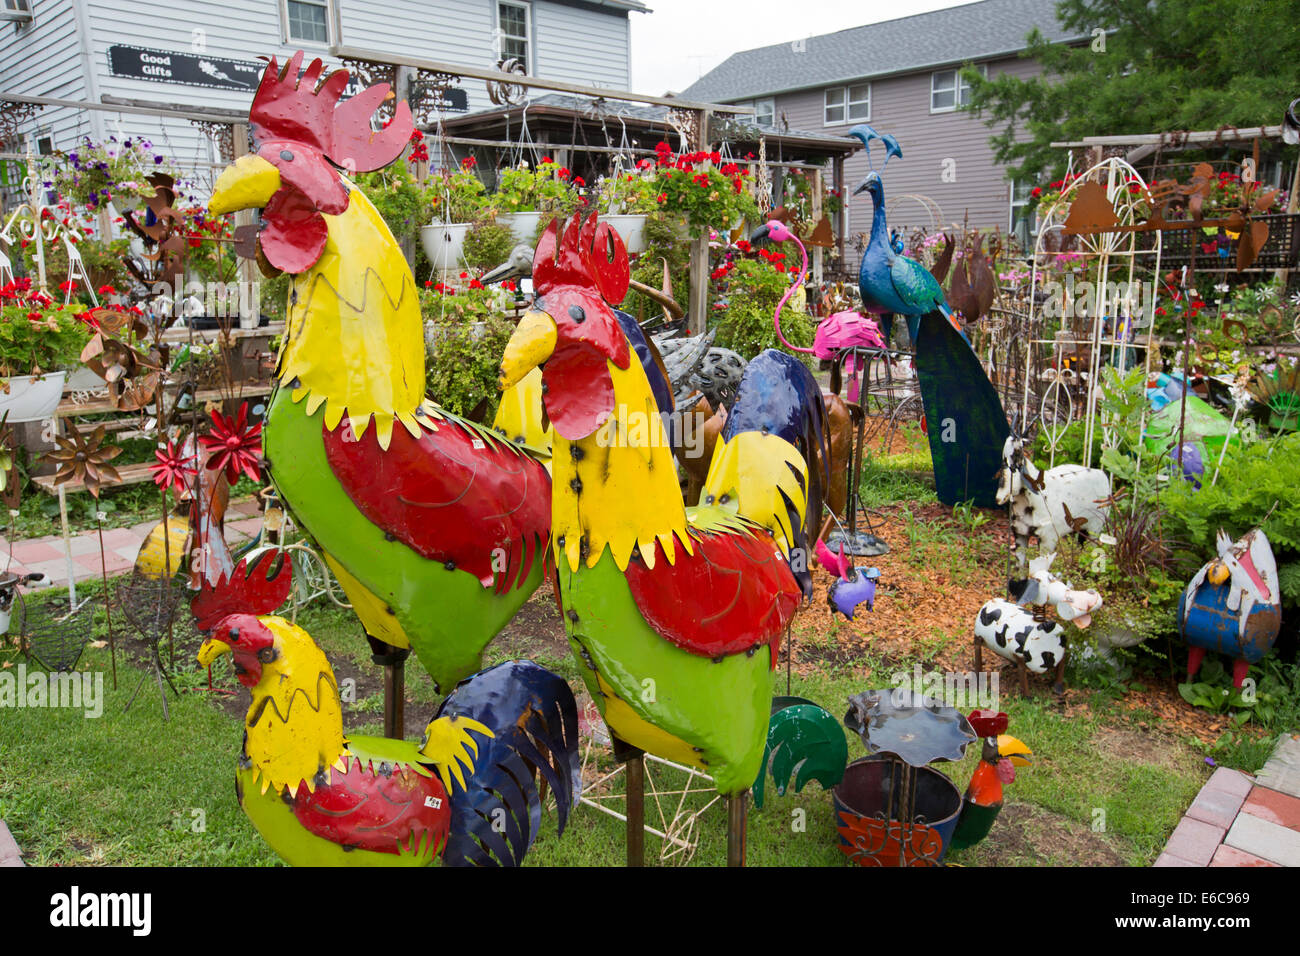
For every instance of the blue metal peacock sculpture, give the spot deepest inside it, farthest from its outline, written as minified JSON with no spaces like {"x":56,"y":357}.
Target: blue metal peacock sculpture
{"x":966,"y":422}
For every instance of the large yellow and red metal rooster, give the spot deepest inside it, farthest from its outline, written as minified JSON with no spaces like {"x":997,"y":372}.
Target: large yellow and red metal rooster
{"x":675,"y":614}
{"x":433,"y":525}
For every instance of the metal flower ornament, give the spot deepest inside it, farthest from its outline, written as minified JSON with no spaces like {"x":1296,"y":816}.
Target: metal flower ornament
{"x":84,"y":459}
{"x":173,"y":469}
{"x":234,"y":445}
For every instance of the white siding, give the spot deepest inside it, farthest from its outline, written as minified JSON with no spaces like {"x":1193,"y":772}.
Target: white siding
{"x":570,"y":42}
{"x":41,"y":59}
{"x":581,"y":45}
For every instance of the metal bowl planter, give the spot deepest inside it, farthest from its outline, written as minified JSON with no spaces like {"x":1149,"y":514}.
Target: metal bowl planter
{"x":891,"y":808}
{"x":874,"y":830}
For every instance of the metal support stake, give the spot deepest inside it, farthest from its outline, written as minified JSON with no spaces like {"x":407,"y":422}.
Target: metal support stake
{"x":635,"y":771}
{"x":67,"y":548}
{"x":393,"y":661}
{"x":737,"y":816}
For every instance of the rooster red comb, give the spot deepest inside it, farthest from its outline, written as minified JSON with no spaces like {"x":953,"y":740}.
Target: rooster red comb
{"x":590,"y":253}
{"x":304,"y":109}
{"x":259,"y":589}
{"x":580,"y":276}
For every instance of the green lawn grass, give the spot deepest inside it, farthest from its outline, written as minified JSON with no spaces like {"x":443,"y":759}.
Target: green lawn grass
{"x":125,"y":788}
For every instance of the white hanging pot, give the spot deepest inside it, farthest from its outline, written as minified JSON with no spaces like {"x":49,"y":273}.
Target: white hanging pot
{"x":522,"y":225}
{"x":82,"y":379}
{"x":631,"y":228}
{"x":444,"y":244}
{"x":32,"y":399}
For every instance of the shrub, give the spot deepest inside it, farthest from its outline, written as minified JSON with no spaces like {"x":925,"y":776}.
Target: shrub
{"x":398,"y":198}
{"x":467,"y":331}
{"x":754,"y":288}
{"x":487,"y":244}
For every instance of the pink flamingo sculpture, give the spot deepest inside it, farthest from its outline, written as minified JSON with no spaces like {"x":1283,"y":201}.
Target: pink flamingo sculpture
{"x":843,"y":330}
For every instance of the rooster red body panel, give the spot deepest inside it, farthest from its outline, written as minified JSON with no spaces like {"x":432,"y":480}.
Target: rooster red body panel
{"x":734,"y":594}
{"x":451,"y":496}
{"x":366,"y":810}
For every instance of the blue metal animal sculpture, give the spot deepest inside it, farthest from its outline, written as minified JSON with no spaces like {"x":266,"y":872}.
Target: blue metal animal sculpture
{"x":966,"y":423}
{"x":1233,"y":605}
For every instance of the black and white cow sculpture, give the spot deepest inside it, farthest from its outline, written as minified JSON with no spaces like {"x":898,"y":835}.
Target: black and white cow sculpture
{"x":1031,"y":642}
{"x":1050,"y":504}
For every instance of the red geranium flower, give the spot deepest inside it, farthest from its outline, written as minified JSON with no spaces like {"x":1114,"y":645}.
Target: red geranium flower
{"x":235,"y":445}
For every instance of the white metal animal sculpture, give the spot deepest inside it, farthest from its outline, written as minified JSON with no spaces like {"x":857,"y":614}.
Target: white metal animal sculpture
{"x":1050,"y":504}
{"x":1034,"y":643}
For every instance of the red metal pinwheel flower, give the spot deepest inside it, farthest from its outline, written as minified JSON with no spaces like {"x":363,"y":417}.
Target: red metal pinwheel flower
{"x":174,"y":469}
{"x":235,"y":445}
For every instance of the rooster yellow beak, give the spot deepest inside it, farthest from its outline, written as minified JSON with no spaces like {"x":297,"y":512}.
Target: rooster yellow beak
{"x":1014,"y":750}
{"x":1218,"y":573}
{"x":247,"y":184}
{"x":530,"y":346}
{"x":211,"y":650}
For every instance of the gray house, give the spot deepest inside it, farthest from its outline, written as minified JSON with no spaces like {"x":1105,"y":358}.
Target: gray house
{"x":202,"y":56}
{"x":901,"y":76}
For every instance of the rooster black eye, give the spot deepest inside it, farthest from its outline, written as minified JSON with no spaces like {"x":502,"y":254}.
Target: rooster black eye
{"x":286,"y":155}
{"x":234,"y":634}
{"x":576,"y":313}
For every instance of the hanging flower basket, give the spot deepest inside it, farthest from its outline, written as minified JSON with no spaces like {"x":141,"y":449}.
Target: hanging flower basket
{"x":632,"y":230}
{"x":522,"y":225}
{"x":444,"y":244}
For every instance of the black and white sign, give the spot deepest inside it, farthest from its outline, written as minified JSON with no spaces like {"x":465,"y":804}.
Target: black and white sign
{"x":190,"y":69}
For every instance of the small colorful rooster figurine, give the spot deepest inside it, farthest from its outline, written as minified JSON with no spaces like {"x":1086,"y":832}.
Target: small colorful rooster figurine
{"x":319,"y":797}
{"x":1001,"y":755}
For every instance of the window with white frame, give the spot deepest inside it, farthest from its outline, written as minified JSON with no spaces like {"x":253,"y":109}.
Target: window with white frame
{"x":307,"y":21}
{"x":512,"y":33}
{"x":1024,"y":218}
{"x":859,"y":98}
{"x":765,"y":112}
{"x":834,"y":106}
{"x":949,"y":90}
{"x":847,"y":104}
{"x":20,"y":10}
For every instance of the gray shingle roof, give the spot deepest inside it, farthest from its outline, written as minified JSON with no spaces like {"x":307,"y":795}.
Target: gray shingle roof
{"x":972,"y":31}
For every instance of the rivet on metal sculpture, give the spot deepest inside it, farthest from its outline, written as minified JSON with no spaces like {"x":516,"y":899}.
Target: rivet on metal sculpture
{"x":966,"y":423}
{"x":1233,"y":605}
{"x":433,"y":525}
{"x":467,"y":792}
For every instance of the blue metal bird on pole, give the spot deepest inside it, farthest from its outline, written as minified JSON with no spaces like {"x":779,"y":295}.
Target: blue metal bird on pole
{"x":966,"y":422}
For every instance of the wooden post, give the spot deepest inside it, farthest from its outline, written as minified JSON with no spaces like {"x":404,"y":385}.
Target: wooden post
{"x":737,"y":806}
{"x":248,"y":271}
{"x":698,"y":304}
{"x":842,"y":223}
{"x":697,"y":311}
{"x":819,"y":253}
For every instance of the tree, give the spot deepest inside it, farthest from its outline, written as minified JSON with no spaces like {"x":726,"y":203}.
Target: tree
{"x":1142,"y":66}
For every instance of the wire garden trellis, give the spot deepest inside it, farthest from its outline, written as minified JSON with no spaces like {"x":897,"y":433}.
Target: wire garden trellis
{"x":1099,"y":322}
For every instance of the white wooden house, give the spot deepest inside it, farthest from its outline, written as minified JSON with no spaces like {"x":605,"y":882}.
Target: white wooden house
{"x":203,"y":56}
